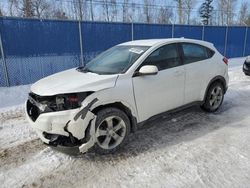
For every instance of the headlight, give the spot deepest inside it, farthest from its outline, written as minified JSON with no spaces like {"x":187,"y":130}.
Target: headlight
{"x":66,"y":102}
{"x":69,"y":101}
{"x":58,"y":102}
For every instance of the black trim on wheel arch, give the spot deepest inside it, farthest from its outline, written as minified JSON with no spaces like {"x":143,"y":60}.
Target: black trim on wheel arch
{"x":122,"y":107}
{"x":217,"y":78}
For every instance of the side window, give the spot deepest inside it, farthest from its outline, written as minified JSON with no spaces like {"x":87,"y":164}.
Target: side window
{"x":194,"y":52}
{"x":164,"y":57}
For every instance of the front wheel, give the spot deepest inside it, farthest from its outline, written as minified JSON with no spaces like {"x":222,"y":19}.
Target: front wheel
{"x":214,"y":97}
{"x":112,"y":130}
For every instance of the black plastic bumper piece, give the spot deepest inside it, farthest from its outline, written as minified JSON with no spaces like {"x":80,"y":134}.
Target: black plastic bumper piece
{"x":247,"y":69}
{"x":67,"y":150}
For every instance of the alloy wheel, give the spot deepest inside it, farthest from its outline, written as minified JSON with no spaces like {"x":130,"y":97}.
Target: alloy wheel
{"x":216,"y":97}
{"x":110,"y":132}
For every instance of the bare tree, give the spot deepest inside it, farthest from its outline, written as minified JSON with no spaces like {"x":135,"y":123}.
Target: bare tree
{"x":59,"y":14}
{"x":148,"y":10}
{"x":248,"y":20}
{"x":110,"y":10}
{"x":91,"y":10}
{"x":230,"y":11}
{"x":27,"y":9}
{"x":106,"y":11}
{"x":41,"y":8}
{"x":226,"y":8}
{"x":189,"y":4}
{"x":125,"y":11}
{"x":165,"y":15}
{"x":80,"y":9}
{"x":113,"y":10}
{"x":180,"y":6}
{"x":243,"y":16}
{"x":12,"y":7}
{"x":221,"y":7}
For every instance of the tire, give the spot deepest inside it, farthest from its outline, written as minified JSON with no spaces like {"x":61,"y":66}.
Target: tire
{"x":112,"y":130}
{"x":214,"y":97}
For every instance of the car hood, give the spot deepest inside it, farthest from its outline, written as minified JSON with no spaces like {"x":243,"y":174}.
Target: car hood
{"x":72,"y":81}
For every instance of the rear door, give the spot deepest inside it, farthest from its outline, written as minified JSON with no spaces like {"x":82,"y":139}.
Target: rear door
{"x":197,"y":64}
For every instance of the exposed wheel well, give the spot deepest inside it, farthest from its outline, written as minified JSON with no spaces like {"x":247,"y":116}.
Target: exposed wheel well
{"x":120,"y":106}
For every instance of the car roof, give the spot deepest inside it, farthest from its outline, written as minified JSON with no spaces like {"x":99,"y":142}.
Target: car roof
{"x":154,"y":42}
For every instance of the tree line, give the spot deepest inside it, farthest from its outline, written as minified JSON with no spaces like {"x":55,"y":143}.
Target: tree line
{"x":196,"y":12}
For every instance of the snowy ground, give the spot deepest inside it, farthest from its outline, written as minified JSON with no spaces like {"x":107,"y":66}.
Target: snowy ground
{"x":190,"y":149}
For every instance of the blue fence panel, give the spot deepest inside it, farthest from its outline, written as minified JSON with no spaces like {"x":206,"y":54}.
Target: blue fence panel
{"x":216,"y":35}
{"x":235,"y":41}
{"x":192,"y":32}
{"x":30,"y":37}
{"x":37,"y":48}
{"x":150,"y":31}
{"x":247,"y":52}
{"x":98,"y":36}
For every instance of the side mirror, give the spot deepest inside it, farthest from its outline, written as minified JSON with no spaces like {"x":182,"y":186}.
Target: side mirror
{"x":148,"y":70}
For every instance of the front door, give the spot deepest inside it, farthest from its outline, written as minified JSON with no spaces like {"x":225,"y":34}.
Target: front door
{"x":164,"y":91}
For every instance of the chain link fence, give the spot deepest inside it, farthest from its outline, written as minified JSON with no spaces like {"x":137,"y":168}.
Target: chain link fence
{"x":32,"y":49}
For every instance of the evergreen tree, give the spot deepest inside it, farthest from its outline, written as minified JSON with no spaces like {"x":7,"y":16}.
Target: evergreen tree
{"x":205,"y":11}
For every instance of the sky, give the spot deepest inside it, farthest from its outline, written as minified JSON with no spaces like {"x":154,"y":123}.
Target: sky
{"x":4,"y":4}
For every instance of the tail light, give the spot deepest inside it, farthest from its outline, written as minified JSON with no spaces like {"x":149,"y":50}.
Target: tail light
{"x":225,"y":60}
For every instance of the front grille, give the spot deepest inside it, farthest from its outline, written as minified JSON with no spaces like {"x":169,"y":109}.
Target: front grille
{"x":247,"y":65}
{"x":36,"y":105}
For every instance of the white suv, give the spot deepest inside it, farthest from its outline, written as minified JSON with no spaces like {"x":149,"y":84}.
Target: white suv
{"x":98,"y":105}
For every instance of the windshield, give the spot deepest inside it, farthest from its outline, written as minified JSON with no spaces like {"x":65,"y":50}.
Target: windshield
{"x":115,"y":60}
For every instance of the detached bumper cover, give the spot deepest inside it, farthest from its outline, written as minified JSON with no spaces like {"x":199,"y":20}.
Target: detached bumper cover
{"x":70,"y":128}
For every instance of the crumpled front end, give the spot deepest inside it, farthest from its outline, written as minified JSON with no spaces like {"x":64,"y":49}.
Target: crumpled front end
{"x":69,"y":129}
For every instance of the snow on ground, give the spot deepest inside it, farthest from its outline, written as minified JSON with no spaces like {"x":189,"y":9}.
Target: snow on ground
{"x":187,"y":149}
{"x":13,"y":95}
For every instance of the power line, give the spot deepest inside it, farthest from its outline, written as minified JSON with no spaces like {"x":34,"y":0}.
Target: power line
{"x":142,"y":5}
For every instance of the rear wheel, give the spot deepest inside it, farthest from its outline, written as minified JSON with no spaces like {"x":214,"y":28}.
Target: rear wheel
{"x":214,"y":97}
{"x":112,"y":130}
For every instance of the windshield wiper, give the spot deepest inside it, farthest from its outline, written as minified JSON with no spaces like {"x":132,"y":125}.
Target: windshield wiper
{"x":84,"y":69}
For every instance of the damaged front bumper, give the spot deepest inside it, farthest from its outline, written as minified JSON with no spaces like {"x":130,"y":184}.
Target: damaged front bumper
{"x":69,"y":129}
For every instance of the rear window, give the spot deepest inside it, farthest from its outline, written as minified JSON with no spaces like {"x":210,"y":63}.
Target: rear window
{"x":195,"y":52}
